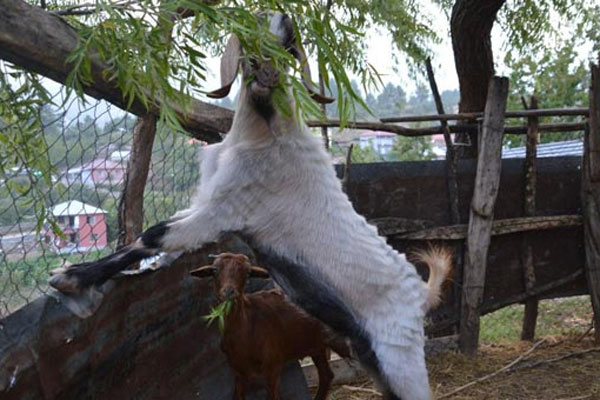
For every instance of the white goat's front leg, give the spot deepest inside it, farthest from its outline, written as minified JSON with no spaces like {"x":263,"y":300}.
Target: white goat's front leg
{"x":202,"y":225}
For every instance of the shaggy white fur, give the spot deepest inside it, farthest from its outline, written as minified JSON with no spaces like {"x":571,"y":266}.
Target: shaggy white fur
{"x":275,"y":182}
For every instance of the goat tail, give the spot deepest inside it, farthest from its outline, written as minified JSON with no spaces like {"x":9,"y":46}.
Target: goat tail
{"x":439,"y":261}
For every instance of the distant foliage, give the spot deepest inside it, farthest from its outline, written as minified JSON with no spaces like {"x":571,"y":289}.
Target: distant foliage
{"x":558,"y":78}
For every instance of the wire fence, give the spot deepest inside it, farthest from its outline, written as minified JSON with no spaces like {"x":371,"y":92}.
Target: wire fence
{"x":88,"y":145}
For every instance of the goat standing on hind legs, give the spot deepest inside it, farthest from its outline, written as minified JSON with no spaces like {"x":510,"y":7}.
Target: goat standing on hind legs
{"x":272,"y":181}
{"x":263,"y":331}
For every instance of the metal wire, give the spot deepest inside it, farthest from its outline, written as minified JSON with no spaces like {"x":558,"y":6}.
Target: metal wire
{"x":88,"y":145}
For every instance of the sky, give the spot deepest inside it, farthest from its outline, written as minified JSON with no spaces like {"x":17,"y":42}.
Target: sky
{"x":378,"y":44}
{"x":379,"y":53}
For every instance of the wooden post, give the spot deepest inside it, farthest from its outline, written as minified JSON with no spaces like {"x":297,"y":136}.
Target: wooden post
{"x":131,"y":204}
{"x":451,"y":158}
{"x":591,"y":198}
{"x":452,"y":182}
{"x":487,"y":180}
{"x":531,"y":305}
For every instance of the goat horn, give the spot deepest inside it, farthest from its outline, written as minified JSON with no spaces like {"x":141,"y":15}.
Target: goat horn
{"x":259,"y":272}
{"x":203,"y":272}
{"x":306,"y":77}
{"x":230,"y":63}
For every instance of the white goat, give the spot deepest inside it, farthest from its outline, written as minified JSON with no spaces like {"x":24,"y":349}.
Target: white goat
{"x":272,"y":181}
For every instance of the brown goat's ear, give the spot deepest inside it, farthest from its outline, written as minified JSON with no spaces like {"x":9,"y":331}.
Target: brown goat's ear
{"x":300,"y":55}
{"x":230,"y":63}
{"x":259,"y":272}
{"x":203,"y":272}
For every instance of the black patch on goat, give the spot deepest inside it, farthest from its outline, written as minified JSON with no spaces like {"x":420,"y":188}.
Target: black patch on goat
{"x":152,"y":236}
{"x":264,"y":108}
{"x":316,"y":298}
{"x":99,"y":271}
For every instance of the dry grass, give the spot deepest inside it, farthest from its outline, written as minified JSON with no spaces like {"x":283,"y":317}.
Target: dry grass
{"x":563,"y":323}
{"x":572,"y":378}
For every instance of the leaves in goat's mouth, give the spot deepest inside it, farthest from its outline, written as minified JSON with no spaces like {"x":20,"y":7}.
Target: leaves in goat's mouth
{"x":218,"y":313}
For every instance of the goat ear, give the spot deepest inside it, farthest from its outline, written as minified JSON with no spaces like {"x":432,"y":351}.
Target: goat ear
{"x":300,"y":55}
{"x":259,"y":272}
{"x":204,"y":272}
{"x":230,"y":63}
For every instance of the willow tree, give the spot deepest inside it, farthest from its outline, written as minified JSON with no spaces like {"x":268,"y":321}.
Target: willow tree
{"x":530,"y":28}
{"x":149,"y":57}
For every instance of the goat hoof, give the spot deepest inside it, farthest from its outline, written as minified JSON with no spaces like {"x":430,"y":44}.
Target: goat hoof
{"x":64,"y":282}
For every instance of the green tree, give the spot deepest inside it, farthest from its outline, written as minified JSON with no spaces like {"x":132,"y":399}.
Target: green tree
{"x":364,"y":156}
{"x":412,"y":149}
{"x":558,"y":78}
{"x":529,"y":28}
{"x":390,"y":102}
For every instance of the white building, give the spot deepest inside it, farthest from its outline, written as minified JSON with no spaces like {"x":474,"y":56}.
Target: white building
{"x":381,"y":142}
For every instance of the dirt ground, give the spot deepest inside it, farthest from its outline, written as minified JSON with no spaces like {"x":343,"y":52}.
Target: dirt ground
{"x":576,"y":377}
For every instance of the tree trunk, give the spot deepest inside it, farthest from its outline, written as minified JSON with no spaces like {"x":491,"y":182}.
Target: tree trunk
{"x":471,"y":25}
{"x":131,"y":204}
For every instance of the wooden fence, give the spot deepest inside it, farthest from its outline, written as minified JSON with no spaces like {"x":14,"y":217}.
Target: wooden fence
{"x":26,"y":30}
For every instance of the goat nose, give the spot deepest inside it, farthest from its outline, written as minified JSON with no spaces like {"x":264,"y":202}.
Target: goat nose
{"x":228,"y":293}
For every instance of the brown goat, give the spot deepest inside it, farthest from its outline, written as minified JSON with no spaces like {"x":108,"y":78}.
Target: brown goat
{"x":263,"y":331}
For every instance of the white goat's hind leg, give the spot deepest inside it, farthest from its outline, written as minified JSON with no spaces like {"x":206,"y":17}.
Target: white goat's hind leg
{"x":404,"y":369}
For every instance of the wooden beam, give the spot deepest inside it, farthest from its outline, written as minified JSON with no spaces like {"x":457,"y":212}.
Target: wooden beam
{"x":499,"y":227}
{"x":490,"y":307}
{"x":590,"y":197}
{"x":41,"y":42}
{"x":531,"y":305}
{"x":487,"y":180}
{"x":547,"y":112}
{"x":435,"y":130}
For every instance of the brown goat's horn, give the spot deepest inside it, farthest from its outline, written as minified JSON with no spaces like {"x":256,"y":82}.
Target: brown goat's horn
{"x":259,"y":272}
{"x":203,"y":272}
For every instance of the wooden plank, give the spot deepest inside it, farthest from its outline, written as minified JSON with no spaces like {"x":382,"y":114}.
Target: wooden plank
{"x":388,"y":226}
{"x":547,"y":112}
{"x":591,"y":198}
{"x":344,"y":371}
{"x":490,"y":307}
{"x":499,"y":227}
{"x":487,"y":180}
{"x":41,"y":42}
{"x":531,"y":305}
{"x":131,"y":203}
